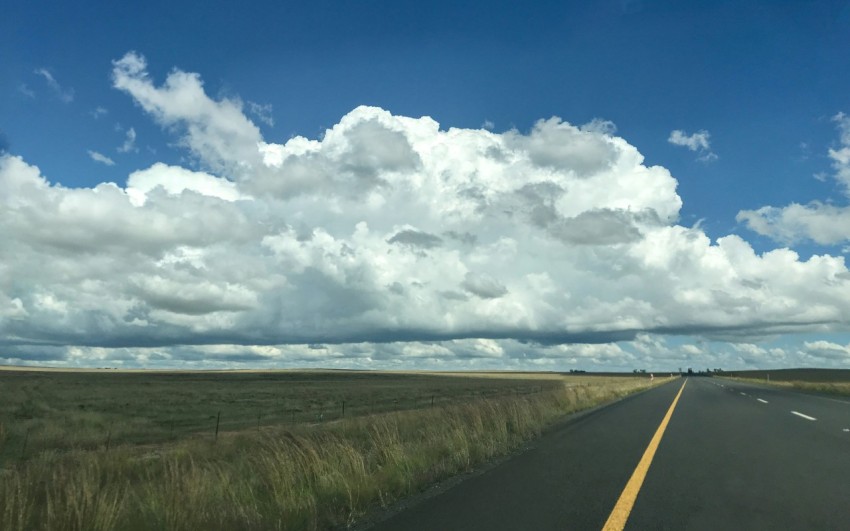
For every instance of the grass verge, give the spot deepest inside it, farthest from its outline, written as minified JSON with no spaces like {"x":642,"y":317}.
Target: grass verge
{"x":305,"y":477}
{"x":827,"y":388}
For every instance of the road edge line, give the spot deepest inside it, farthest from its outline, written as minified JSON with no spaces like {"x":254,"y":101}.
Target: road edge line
{"x":623,"y":508}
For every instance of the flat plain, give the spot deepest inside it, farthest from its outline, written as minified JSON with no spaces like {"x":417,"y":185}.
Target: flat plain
{"x":105,"y":449}
{"x":60,"y":410}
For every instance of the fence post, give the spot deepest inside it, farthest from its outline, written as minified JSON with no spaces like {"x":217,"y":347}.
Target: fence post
{"x":258,"y":420}
{"x":108,"y":438}
{"x":432,"y":400}
{"x":217,"y":420}
{"x":343,"y":408}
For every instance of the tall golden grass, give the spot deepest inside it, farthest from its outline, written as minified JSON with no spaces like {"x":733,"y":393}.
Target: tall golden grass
{"x":317,"y":477}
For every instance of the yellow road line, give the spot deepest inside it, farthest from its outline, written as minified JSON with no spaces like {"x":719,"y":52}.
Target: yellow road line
{"x":617,"y":520}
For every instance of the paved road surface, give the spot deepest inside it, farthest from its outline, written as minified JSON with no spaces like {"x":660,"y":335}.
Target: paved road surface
{"x":733,"y":456}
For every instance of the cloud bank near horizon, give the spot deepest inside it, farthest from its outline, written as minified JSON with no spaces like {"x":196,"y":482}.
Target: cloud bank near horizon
{"x":387,"y":230}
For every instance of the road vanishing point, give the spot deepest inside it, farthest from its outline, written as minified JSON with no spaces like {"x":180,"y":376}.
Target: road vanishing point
{"x":695,"y":453}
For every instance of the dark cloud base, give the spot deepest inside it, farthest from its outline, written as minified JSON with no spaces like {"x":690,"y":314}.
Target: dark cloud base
{"x":178,"y":337}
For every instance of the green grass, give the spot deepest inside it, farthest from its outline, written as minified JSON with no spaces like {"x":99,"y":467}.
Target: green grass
{"x":289,"y":476}
{"x":66,"y":410}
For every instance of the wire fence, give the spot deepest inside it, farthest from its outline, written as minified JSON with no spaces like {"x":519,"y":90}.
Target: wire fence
{"x":35,"y":435}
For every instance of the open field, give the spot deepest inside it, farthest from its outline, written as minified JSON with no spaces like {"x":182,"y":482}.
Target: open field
{"x":62,"y":410}
{"x":827,"y":381}
{"x":101,"y":452}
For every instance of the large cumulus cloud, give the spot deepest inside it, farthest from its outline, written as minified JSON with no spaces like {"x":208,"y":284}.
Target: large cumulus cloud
{"x":386,"y":229}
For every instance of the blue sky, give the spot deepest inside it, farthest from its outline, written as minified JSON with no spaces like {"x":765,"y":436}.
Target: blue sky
{"x":764,"y":81}
{"x":763,"y":77}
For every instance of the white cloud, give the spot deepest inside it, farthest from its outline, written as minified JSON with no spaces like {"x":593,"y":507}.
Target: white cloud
{"x":215,"y":131}
{"x":841,"y":155}
{"x":26,"y":91}
{"x":692,"y":350}
{"x":600,"y":125}
{"x":826,"y":350}
{"x":98,"y":112}
{"x":695,"y":142}
{"x":129,"y":142}
{"x":66,"y":95}
{"x":174,"y":180}
{"x":750,"y":349}
{"x":433,"y":244}
{"x":698,"y":142}
{"x":263,"y":112}
{"x":101,"y":158}
{"x":477,"y":353}
{"x":823,"y":223}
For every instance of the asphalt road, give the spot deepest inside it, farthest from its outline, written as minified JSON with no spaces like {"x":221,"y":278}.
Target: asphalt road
{"x":733,"y":456}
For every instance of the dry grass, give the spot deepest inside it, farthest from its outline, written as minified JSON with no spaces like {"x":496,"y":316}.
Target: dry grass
{"x":828,"y":388}
{"x":826,"y":381}
{"x":297,"y":477}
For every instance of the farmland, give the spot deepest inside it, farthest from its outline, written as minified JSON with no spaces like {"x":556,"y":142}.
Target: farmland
{"x":257,"y":450}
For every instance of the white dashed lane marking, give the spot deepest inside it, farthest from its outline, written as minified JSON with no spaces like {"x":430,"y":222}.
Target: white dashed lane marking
{"x":762,"y":401}
{"x":802,"y":415}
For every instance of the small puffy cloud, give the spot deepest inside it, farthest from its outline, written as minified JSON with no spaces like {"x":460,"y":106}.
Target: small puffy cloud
{"x":66,"y":95}
{"x":101,"y":158}
{"x":699,"y":142}
{"x":822,"y":223}
{"x":98,"y":112}
{"x":826,"y":350}
{"x":129,"y":142}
